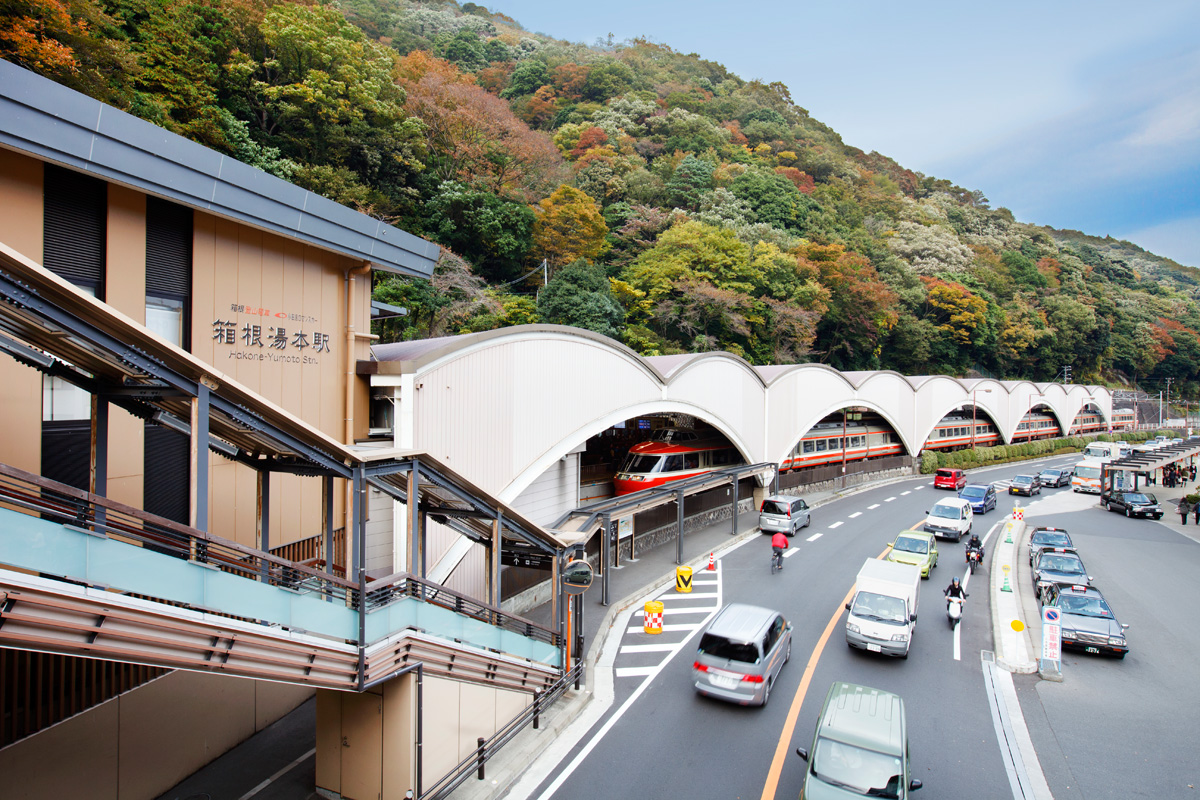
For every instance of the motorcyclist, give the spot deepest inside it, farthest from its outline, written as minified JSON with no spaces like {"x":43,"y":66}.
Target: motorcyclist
{"x":955,"y":589}
{"x":974,"y":543}
{"x":779,"y":544}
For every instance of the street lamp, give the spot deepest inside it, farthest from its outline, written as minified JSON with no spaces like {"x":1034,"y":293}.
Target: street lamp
{"x":1029,"y":423}
{"x":973,"y":413}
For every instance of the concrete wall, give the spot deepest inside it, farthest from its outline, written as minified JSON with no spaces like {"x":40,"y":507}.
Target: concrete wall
{"x":142,"y":743}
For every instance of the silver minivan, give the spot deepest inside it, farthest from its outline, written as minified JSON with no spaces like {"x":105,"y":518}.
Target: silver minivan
{"x":741,"y":653}
{"x":783,"y":513}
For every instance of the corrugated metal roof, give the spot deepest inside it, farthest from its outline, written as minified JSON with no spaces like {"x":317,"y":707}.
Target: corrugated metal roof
{"x":54,"y":123}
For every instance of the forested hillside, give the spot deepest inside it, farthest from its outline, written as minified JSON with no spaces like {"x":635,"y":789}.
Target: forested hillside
{"x":627,"y":188}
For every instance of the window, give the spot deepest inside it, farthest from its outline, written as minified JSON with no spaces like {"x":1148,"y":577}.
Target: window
{"x":691,"y":460}
{"x":808,"y":447}
{"x":821,"y":443}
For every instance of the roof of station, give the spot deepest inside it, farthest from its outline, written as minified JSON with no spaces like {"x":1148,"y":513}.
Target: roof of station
{"x":60,"y":125}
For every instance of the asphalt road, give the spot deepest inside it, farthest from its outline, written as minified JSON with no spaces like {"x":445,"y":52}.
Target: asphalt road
{"x":1113,"y":728}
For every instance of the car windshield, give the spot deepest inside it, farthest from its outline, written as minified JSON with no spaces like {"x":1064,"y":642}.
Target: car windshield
{"x":879,"y":607}
{"x":1022,"y":479}
{"x":859,"y":770}
{"x":945,"y":511}
{"x":909,"y":544}
{"x":973,"y":492}
{"x":1050,"y":473}
{"x":1084,"y":606}
{"x":1137,"y":497}
{"x":1050,"y":539}
{"x":1064,"y":564}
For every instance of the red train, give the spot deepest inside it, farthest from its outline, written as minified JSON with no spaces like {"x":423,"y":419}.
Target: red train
{"x":674,"y":453}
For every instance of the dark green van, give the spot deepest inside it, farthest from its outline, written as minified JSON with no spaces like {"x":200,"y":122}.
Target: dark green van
{"x":860,"y":747}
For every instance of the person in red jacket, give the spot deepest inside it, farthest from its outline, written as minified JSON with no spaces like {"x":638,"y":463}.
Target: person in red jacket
{"x":779,"y":544}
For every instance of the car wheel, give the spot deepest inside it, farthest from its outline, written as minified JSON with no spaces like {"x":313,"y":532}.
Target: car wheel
{"x":1108,"y":506}
{"x":766,"y":692}
{"x":808,"y":520}
{"x":787,"y":655}
{"x":1127,"y":514}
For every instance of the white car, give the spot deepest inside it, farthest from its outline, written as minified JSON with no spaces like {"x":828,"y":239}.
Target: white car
{"x":949,"y":519}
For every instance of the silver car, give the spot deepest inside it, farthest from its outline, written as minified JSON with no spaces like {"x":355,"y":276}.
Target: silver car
{"x":741,"y":653}
{"x":783,"y":513}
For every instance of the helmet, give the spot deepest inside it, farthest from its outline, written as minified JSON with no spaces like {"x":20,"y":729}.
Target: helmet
{"x":955,"y":581}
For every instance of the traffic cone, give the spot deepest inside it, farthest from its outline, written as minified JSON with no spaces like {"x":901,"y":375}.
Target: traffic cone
{"x":712,"y":562}
{"x":1008,"y":528}
{"x":1006,"y":587}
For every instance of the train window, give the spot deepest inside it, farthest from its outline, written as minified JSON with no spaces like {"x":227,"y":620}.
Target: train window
{"x":808,"y":447}
{"x":856,"y":441}
{"x":691,"y":460}
{"x":821,"y":445}
{"x":672,"y":464}
{"x":641,"y":464}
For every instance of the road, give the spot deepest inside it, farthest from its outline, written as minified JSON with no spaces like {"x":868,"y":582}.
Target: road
{"x":660,"y":739}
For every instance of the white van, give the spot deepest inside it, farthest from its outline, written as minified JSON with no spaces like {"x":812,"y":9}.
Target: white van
{"x":949,"y":519}
{"x":883,"y":612}
{"x":1102,"y":451}
{"x":1087,"y":476}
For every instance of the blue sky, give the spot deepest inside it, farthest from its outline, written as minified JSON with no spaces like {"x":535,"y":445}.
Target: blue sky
{"x":1080,"y":115}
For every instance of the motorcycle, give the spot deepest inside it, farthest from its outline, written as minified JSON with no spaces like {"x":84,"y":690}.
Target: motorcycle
{"x":974,"y":558}
{"x":954,"y":610}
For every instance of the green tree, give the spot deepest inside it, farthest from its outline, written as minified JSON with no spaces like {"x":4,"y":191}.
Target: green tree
{"x":492,"y":233}
{"x":580,"y":295}
{"x":774,"y":199}
{"x":529,"y":76}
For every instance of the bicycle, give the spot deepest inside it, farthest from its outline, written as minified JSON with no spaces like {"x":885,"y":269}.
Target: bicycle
{"x":776,"y":560}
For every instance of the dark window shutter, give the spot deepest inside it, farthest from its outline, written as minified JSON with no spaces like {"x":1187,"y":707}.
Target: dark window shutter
{"x":168,"y":250}
{"x":66,"y":452}
{"x":165,"y":484}
{"x":73,"y":228}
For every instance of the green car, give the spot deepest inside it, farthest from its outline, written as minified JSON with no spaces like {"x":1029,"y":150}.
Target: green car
{"x":916,"y":548}
{"x":860,"y":747}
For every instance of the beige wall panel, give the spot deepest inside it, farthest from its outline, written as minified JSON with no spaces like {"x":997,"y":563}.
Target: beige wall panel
{"x":476,"y":716}
{"x":21,"y":399}
{"x":508,"y":705}
{"x":204,"y":276}
{"x":440,"y":728}
{"x":21,"y":386}
{"x":222,"y":512}
{"x":470,"y":576}
{"x":175,"y":725}
{"x":273,"y":700}
{"x":125,"y":278}
{"x":83,"y":751}
{"x":329,"y":740}
{"x":399,"y":736}
{"x":126,"y":448}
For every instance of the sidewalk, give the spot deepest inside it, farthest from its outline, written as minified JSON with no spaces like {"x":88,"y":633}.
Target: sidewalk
{"x":632,"y":580}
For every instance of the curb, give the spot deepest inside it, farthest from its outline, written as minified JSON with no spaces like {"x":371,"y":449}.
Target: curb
{"x":1012,"y":649}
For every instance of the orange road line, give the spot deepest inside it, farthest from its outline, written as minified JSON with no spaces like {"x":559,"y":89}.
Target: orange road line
{"x":789,"y":725}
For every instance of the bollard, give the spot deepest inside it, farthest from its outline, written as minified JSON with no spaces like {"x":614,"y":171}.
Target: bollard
{"x":653,"y":619}
{"x":537,"y":708}
{"x":683,"y":579}
{"x":482,"y":757}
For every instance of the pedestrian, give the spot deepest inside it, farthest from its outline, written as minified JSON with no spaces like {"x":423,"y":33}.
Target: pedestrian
{"x":1196,"y":513}
{"x":1183,"y":508}
{"x":1192,"y":471}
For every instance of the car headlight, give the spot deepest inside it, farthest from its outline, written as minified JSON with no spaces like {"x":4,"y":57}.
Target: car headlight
{"x":850,"y":626}
{"x":1117,"y":640}
{"x":899,"y":637}
{"x":1066,"y":634}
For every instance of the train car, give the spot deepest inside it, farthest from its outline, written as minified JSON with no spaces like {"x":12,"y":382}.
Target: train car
{"x":825,"y":443}
{"x":672,"y":454}
{"x":954,"y":433}
{"x":1036,"y":426}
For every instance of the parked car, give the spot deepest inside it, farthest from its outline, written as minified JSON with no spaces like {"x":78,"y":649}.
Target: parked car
{"x":1025,"y":484}
{"x":1135,"y":504}
{"x":860,"y":747}
{"x":981,"y":496}
{"x":783,"y":512}
{"x":741,"y":653}
{"x":1060,"y":565}
{"x":915,"y":548}
{"x":949,"y":519}
{"x":1088,"y":624}
{"x":949,"y":479}
{"x":1044,"y":537}
{"x":1054,"y":477}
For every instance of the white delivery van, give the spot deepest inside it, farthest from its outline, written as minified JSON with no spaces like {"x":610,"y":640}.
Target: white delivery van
{"x":1102,"y":451}
{"x":883,"y":612}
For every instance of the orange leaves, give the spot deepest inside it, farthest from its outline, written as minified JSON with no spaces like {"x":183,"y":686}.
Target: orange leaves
{"x":955,"y":309}
{"x":568,"y":226}
{"x":804,"y":182}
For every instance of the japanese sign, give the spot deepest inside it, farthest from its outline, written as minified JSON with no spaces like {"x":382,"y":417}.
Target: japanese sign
{"x":1051,"y":635}
{"x":259,"y":334}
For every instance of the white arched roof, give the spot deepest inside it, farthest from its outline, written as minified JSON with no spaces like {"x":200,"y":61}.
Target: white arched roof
{"x":500,"y":407}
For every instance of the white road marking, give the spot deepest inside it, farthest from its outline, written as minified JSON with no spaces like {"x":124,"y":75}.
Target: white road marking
{"x":919,"y":488}
{"x":890,"y":499}
{"x":672,"y":610}
{"x":278,"y":775}
{"x":856,"y":514}
{"x":685,"y":595}
{"x":791,"y":552}
{"x":814,"y":537}
{"x":869,"y":508}
{"x":958,"y":642}
{"x":837,"y":524}
{"x":634,"y":672}
{"x":648,"y":648}
{"x":667,"y":628}
{"x":904,"y":493}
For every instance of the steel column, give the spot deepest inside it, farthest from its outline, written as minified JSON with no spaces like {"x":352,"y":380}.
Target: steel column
{"x":200,"y":413}
{"x":679,"y":529}
{"x":99,"y":455}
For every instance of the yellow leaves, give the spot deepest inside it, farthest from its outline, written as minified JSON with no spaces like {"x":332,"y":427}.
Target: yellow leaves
{"x":569,"y":226}
{"x":958,"y":312}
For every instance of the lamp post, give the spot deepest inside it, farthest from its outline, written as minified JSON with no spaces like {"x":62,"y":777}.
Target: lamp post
{"x":973,"y":413}
{"x":1029,"y":428}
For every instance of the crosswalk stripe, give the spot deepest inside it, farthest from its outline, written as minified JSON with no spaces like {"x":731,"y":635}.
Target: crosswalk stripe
{"x":648,"y":648}
{"x":668,"y":628}
{"x":634,"y":672}
{"x":688,"y":596}
{"x":674,"y":610}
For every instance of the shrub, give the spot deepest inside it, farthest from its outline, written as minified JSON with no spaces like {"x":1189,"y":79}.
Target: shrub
{"x":929,"y":462}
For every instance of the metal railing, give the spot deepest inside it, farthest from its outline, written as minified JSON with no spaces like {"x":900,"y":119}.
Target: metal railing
{"x":487,"y":748}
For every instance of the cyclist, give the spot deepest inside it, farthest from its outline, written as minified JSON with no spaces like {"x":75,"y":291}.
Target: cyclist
{"x":779,"y":544}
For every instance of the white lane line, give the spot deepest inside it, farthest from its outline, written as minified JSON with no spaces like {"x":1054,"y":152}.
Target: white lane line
{"x":672,"y":610}
{"x":919,"y":488}
{"x":902,"y":494}
{"x":958,"y":642}
{"x":890,"y":499}
{"x":684,"y":595}
{"x":791,"y":552}
{"x":648,"y":648}
{"x":837,"y":524}
{"x":634,"y":672}
{"x":278,"y":775}
{"x":667,"y":628}
{"x":856,"y":514}
{"x":814,"y":537}
{"x":873,"y":507}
